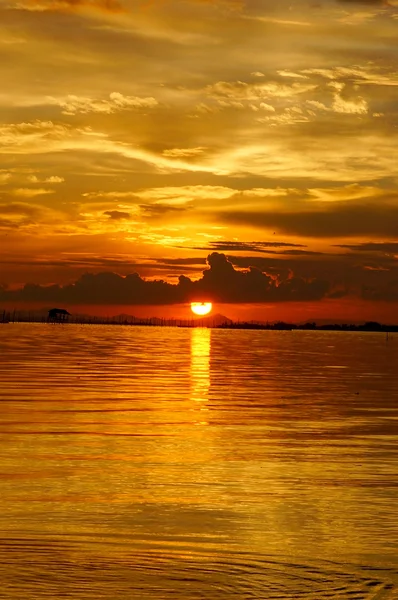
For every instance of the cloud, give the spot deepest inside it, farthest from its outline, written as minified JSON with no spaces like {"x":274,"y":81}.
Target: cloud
{"x":40,"y":221}
{"x":387,"y":292}
{"x":160,"y":209}
{"x":261,"y":247}
{"x":383,"y":247}
{"x":219,"y":283}
{"x":349,"y":272}
{"x":289,"y":116}
{"x":109,"y":195}
{"x":184,"y":194}
{"x":351,"y":106}
{"x":18,"y":214}
{"x":326,"y":219}
{"x":52,"y":179}
{"x":10,"y":130}
{"x":224,"y":284}
{"x":368,"y":2}
{"x":183,"y":152}
{"x":72,"y":259}
{"x":111,"y":6}
{"x":352,"y":191}
{"x":73,"y":105}
{"x":197,"y":194}
{"x":44,"y":137}
{"x":357,"y":75}
{"x":30,"y":192}
{"x":19,"y":208}
{"x":286,"y":73}
{"x":4,"y":177}
{"x":16,"y":137}
{"x":117,"y":214}
{"x":256,"y":92}
{"x":188,"y":260}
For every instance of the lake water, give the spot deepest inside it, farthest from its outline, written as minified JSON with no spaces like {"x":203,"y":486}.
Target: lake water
{"x":158,"y":463}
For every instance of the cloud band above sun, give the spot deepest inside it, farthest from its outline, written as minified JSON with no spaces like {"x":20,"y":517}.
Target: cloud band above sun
{"x":221,"y":282}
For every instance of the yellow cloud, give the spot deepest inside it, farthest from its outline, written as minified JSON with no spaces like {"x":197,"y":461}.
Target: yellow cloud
{"x":183,"y":152}
{"x":52,"y":179}
{"x":357,"y":106}
{"x":289,"y":116}
{"x":30,"y":193}
{"x":184,"y":194}
{"x":352,"y":191}
{"x":72,"y":105}
{"x":270,"y":192}
{"x":112,"y":6}
{"x":4,"y":177}
{"x":41,"y":137}
{"x":257,"y":91}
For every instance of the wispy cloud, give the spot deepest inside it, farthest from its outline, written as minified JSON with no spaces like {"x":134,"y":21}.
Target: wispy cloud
{"x":117,"y":214}
{"x":111,"y":6}
{"x":51,"y":179}
{"x":116,"y":102}
{"x":30,"y":192}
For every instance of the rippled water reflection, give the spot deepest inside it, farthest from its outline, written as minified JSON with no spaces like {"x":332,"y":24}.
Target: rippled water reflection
{"x":192,"y":463}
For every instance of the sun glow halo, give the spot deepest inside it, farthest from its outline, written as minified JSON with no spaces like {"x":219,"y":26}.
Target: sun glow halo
{"x":201,"y":308}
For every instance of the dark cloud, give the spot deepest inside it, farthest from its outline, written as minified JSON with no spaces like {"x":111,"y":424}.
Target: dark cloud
{"x":384,"y":247}
{"x":219,"y":283}
{"x":154,"y":210}
{"x":223,"y":283}
{"x":301,"y":253}
{"x":228,"y":279}
{"x":70,"y":260}
{"x":347,"y":273}
{"x":261,"y":247}
{"x":337,"y":219}
{"x":117,"y":214}
{"x":189,"y":260}
{"x":368,"y":2}
{"x":386,"y":292}
{"x":20,"y":209}
{"x":18,"y":214}
{"x":8,"y":224}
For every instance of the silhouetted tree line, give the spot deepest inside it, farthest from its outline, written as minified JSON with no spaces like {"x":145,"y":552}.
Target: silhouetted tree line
{"x":32,"y":317}
{"x":67,"y":318}
{"x":282,"y":326}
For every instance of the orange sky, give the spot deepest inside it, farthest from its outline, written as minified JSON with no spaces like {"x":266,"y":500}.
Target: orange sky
{"x":145,"y":137}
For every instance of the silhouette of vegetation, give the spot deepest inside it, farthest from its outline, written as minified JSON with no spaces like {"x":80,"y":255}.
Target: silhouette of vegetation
{"x":280,"y":325}
{"x":57,"y":315}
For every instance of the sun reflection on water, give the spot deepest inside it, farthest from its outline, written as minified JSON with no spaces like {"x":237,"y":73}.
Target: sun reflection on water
{"x":200,"y":364}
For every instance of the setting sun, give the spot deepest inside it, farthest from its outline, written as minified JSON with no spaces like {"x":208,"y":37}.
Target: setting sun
{"x":201,"y":308}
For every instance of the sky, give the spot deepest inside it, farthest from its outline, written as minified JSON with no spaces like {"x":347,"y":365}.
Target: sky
{"x":158,"y":152}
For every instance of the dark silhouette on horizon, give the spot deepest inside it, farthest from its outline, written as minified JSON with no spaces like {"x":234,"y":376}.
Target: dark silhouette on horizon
{"x":216,"y":321}
{"x":58,"y":315}
{"x":372,"y":326}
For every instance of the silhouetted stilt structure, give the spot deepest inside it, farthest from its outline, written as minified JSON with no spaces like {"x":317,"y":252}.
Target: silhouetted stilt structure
{"x":57,"y":315}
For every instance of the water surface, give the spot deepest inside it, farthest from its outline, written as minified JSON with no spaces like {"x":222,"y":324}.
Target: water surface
{"x":157,"y":463}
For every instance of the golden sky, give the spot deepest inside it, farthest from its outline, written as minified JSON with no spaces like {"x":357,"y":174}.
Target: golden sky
{"x":140,"y":138}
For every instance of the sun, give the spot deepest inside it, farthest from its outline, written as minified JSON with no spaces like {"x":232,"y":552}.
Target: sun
{"x":201,"y":308}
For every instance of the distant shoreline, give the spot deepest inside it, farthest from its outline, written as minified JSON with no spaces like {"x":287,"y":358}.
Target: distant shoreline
{"x":216,"y":323}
